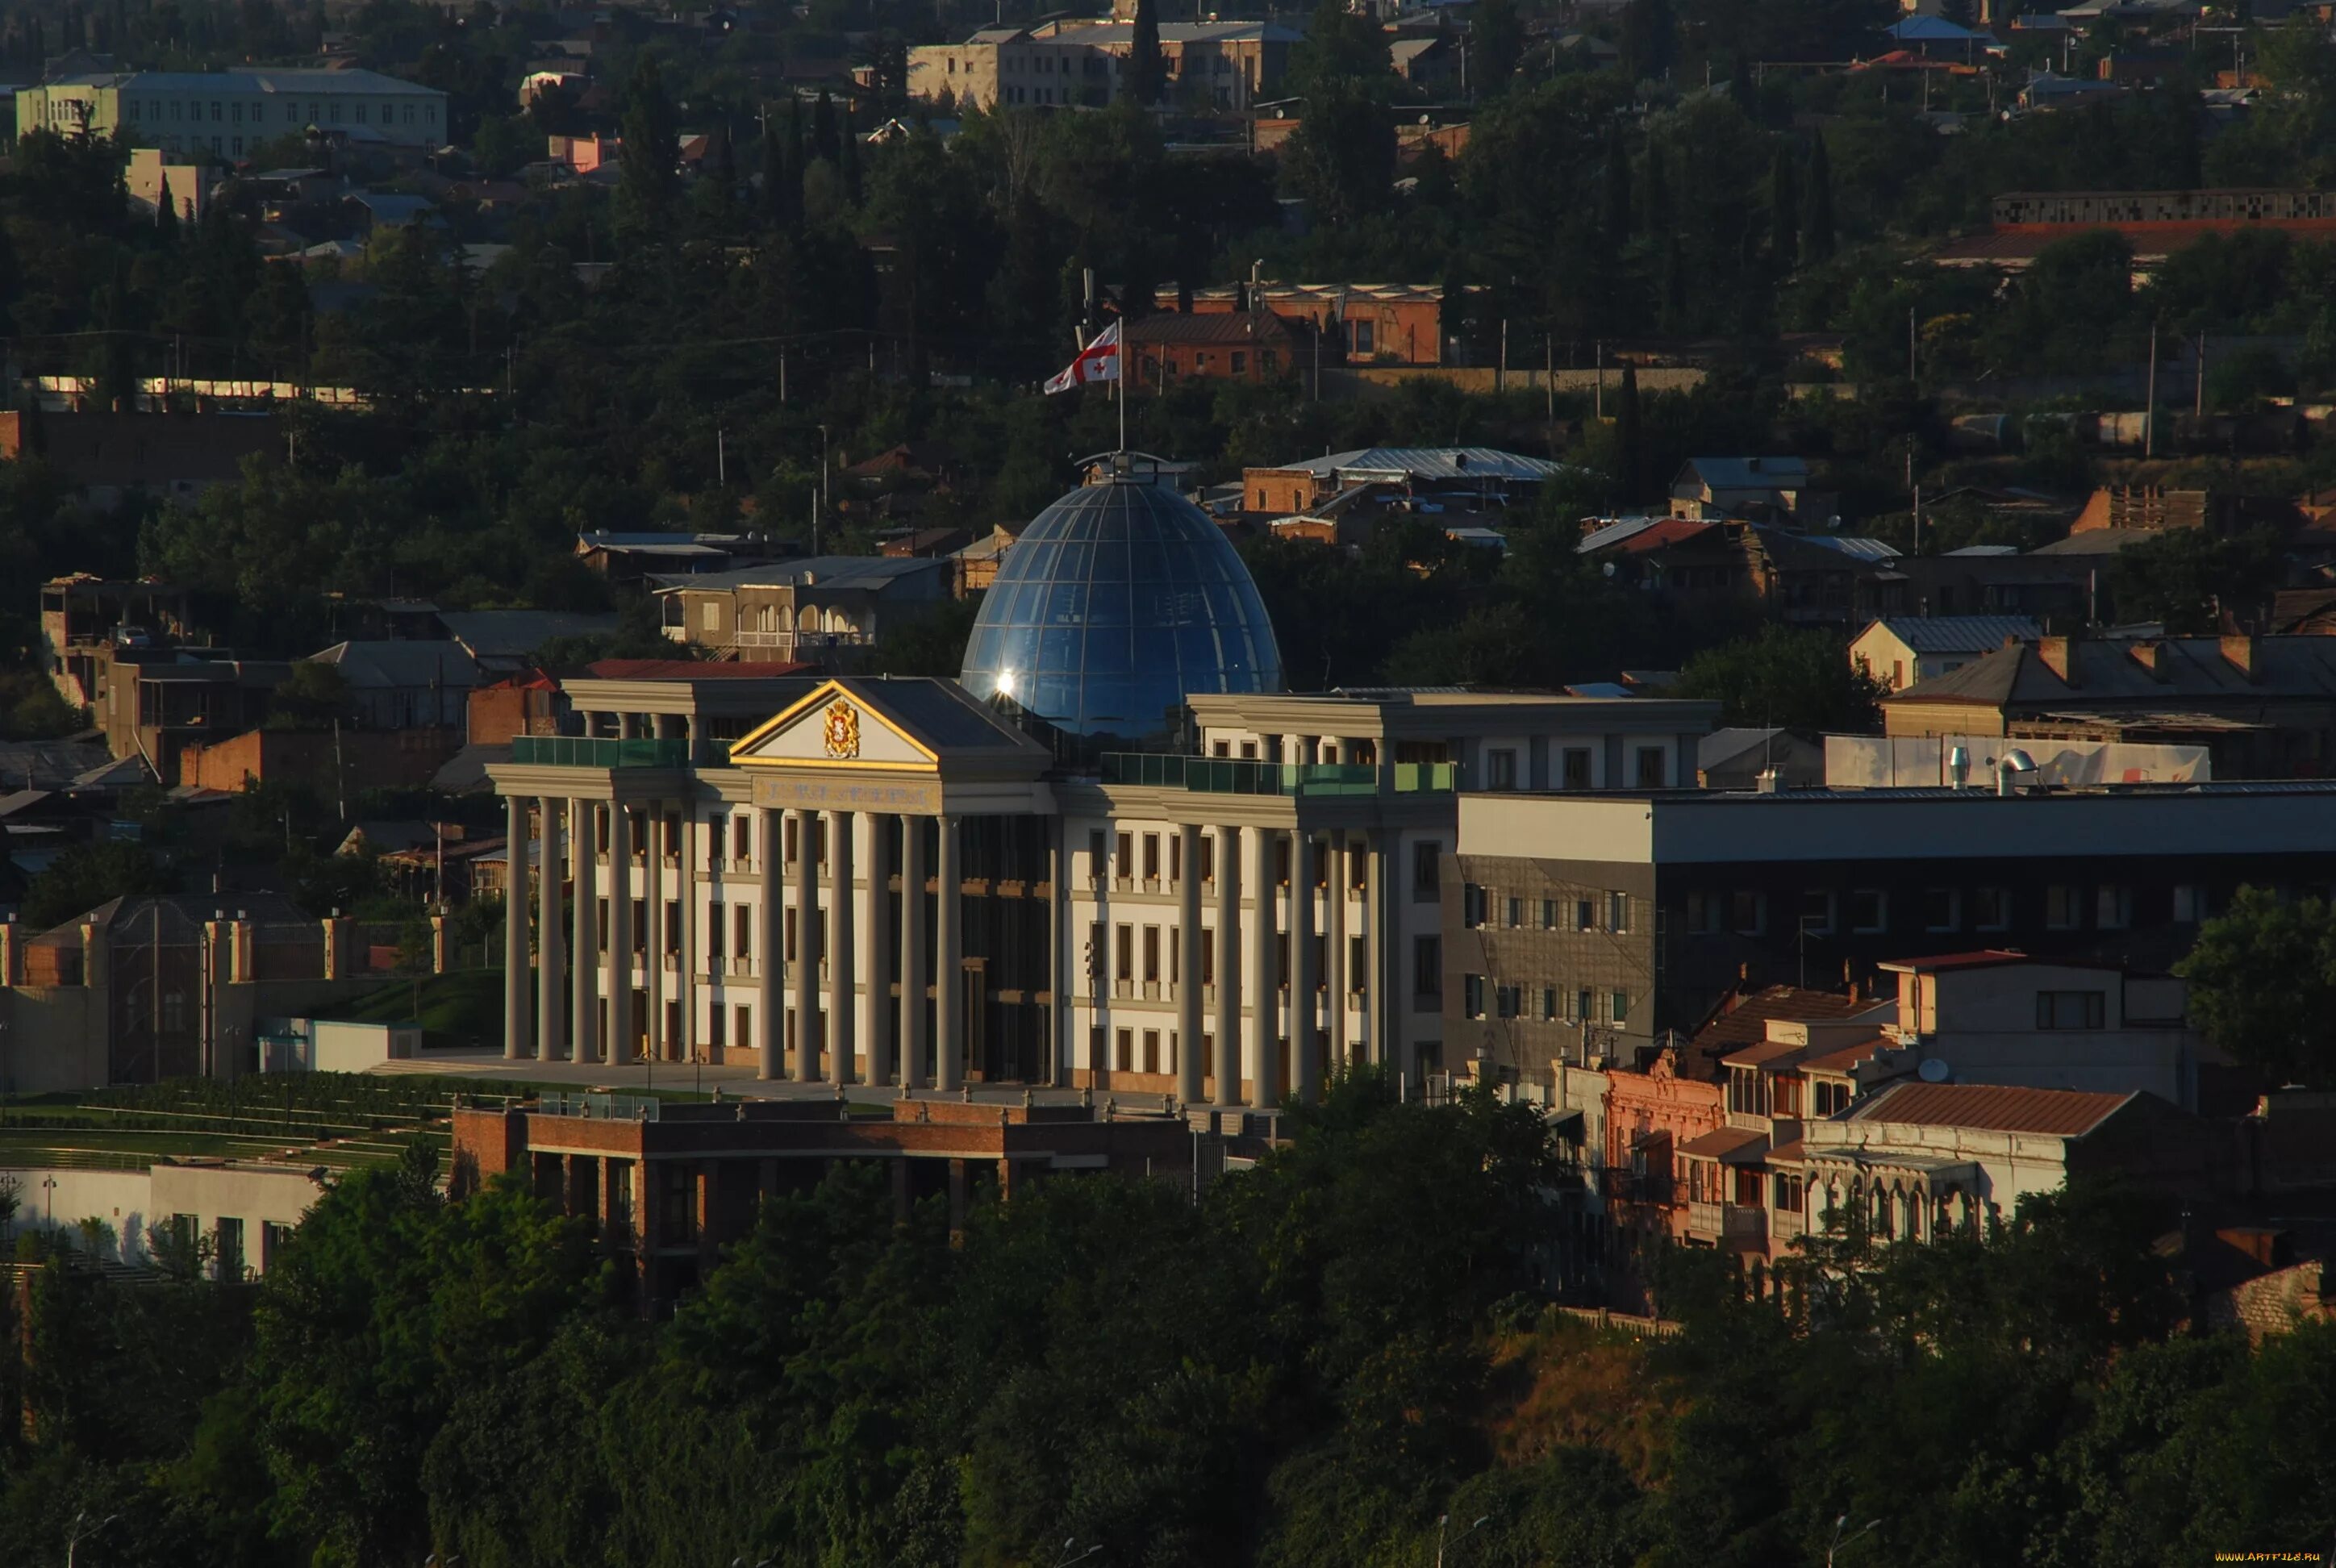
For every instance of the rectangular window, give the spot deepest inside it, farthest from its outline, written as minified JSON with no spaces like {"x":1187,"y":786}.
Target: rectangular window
{"x":743,"y":929}
{"x":1500,"y":769}
{"x":1549,"y":914}
{"x":1747,"y":912}
{"x":1816,"y":913}
{"x":2063,"y":907}
{"x":1991,"y":908}
{"x":1095,"y":855}
{"x":788,"y":931}
{"x":1151,"y":857}
{"x":1618,"y":912}
{"x":1208,"y":858}
{"x":1585,"y":915}
{"x":1576,"y":772}
{"x":742,"y":837}
{"x":1506,"y":1001}
{"x":1176,"y":858}
{"x":2189,"y":904}
{"x":1123,"y":952}
{"x":1942,"y":909}
{"x":1549,"y":1004}
{"x":1208,"y":957}
{"x":1124,"y":1053}
{"x":1703,"y":914}
{"x":2071,"y":1009}
{"x":1869,"y":910}
{"x":1241,"y":362}
{"x":1472,"y":996}
{"x":1582,"y":1005}
{"x":1650,"y":767}
{"x":673,"y":925}
{"x":1618,"y":1007}
{"x":1427,"y":967}
{"x":1151,"y":955}
{"x":1516,"y":913}
{"x":714,"y":930}
{"x":1472,"y":906}
{"x":1426,"y":868}
{"x":1125,"y":857}
{"x":2112,"y":906}
{"x":1151,"y":1050}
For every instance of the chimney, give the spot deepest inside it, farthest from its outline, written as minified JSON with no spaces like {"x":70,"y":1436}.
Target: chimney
{"x":2153,"y":656}
{"x":2245,"y":656}
{"x":2059,"y":657}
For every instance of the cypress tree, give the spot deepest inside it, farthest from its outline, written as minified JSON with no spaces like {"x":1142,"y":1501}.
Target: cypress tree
{"x":1628,"y":459}
{"x":166,"y":216}
{"x":1659,"y":191}
{"x":1784,"y":210}
{"x":1816,"y":223}
{"x":1616,"y":196}
{"x":823,"y":140}
{"x":1147,"y":69}
{"x":848,"y":153}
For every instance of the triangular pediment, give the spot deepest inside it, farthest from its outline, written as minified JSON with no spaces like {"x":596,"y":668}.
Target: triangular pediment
{"x":835,"y":726}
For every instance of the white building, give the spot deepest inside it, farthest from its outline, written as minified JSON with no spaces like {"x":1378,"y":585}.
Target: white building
{"x":229,"y":113}
{"x":1094,"y":916}
{"x":1901,"y":650}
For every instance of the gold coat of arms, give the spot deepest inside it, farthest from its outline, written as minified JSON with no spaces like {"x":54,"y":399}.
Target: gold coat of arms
{"x":842,"y":730}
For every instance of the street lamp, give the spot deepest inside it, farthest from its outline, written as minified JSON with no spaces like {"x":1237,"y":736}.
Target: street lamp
{"x":1444,"y":1519}
{"x":50,"y":1182}
{"x":1840,"y":1541}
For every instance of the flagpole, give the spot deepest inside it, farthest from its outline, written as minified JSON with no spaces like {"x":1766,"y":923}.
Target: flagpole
{"x":1119,"y":384}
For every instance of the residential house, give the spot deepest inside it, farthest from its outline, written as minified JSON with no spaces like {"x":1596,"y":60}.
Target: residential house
{"x":1805,"y":579}
{"x":2265,"y":707}
{"x":152,"y":175}
{"x":630,"y":557}
{"x":1382,"y":323}
{"x":84,"y":618}
{"x":1208,"y":64}
{"x":158,"y":703}
{"x":1763,"y":489}
{"x":826,"y":609}
{"x":506,"y":641}
{"x":1257,"y":346}
{"x":1902,"y":651}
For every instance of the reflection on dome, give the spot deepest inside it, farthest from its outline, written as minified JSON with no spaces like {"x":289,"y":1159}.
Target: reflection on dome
{"x":1116,"y":602}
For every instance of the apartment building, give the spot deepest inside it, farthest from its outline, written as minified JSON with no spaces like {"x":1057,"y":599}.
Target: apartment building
{"x":229,"y":113}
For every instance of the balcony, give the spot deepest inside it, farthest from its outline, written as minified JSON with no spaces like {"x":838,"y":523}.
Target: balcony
{"x":1228,"y":776}
{"x":579,"y":751}
{"x":1727,"y":1224}
{"x":1786,"y":1225}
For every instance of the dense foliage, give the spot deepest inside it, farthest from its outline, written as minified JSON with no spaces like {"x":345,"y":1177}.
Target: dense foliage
{"x":1313,"y":1365}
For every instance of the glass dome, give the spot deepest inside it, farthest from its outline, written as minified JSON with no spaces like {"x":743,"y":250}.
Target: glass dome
{"x":1116,"y":602}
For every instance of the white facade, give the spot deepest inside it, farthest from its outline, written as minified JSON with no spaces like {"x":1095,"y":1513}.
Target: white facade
{"x":1098,"y":919}
{"x":2050,"y":1025}
{"x":241,"y":1211}
{"x":229,"y":113}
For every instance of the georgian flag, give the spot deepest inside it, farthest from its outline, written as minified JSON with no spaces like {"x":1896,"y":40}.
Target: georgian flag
{"x":1098,"y":361}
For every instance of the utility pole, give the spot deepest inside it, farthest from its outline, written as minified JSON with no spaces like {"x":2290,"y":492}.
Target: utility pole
{"x":1910,"y":345}
{"x":1601,"y":394}
{"x":2198,"y":408}
{"x":2149,"y":416}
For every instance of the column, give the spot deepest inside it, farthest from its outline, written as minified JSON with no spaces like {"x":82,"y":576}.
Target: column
{"x":551,"y":981}
{"x":618,"y":1047}
{"x":876,"y":953}
{"x":1264,"y":1036}
{"x":912,"y":953}
{"x":515,"y":977}
{"x":1188,"y":965}
{"x":770,"y":967}
{"x":653,"y":844}
{"x":583,"y":956}
{"x":1305,"y":1057}
{"x":843,"y":973}
{"x":949,"y":963}
{"x":1228,"y":965}
{"x":1334,"y":948}
{"x":685,"y":981}
{"x":806,"y":985}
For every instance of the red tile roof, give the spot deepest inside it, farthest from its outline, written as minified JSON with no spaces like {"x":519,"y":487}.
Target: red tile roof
{"x":1842,"y":1058}
{"x":1984,"y":958}
{"x":1669,"y":532}
{"x":1731,"y":1029}
{"x":1989,"y":1107}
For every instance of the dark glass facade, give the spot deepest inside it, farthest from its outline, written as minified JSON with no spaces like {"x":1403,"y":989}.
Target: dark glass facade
{"x":1116,"y":602}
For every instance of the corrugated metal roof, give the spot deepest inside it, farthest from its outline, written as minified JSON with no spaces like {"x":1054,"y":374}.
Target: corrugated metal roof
{"x":1732,"y":1145}
{"x":1614,"y":533}
{"x":1989,"y":1107}
{"x":1431,"y":462}
{"x":1856,"y":545}
{"x":1959,"y":633}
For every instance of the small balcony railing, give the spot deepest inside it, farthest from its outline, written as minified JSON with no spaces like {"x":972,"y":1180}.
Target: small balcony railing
{"x":1232,"y":775}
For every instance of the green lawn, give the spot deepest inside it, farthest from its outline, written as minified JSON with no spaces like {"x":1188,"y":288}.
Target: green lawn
{"x":460,"y":1011}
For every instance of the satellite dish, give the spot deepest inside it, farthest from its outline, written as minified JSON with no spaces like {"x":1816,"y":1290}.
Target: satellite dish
{"x":1933,"y":1070}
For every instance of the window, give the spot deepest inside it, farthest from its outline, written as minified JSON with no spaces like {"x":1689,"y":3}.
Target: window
{"x":2112,"y":906}
{"x":1208,"y":859}
{"x":1576,"y":772}
{"x":1788,"y":1192}
{"x":1472,"y":905}
{"x":2071,"y":1009}
{"x":1869,"y":909}
{"x":1582,"y":1006}
{"x":1241,"y":362}
{"x":1618,"y":1007}
{"x":1123,"y":953}
{"x":1427,"y":967}
{"x":2063,"y":907}
{"x":742,"y":929}
{"x":1829,"y":1096}
{"x":1176,"y":858}
{"x":1618,"y":912}
{"x":2189,"y":904}
{"x":1151,"y":955}
{"x":1942,"y":909}
{"x":1650,"y":767}
{"x":742,"y":837}
{"x":1816,"y":913}
{"x":1549,"y":1004}
{"x":1095,"y":855}
{"x":1151,"y":857}
{"x":1747,"y":912}
{"x":1500,"y":769}
{"x":714,"y":930}
{"x":1549,"y":914}
{"x":1208,"y":957}
{"x":1364,"y":330}
{"x":174,"y":1010}
{"x":1123,"y":1054}
{"x":1472,"y":996}
{"x":1516,"y":913}
{"x":361,"y":113}
{"x":1991,"y":908}
{"x":1125,"y":867}
{"x":1151,"y":1050}
{"x":1703,"y":914}
{"x":790,"y":932}
{"x":1426,"y":868}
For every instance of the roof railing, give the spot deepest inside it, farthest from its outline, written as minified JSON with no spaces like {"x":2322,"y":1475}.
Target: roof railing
{"x":1240,"y":776}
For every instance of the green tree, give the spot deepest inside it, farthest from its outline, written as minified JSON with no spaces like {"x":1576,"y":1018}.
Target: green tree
{"x":1344,"y":50}
{"x":1792,"y":677}
{"x":647,"y":180}
{"x":88,"y":875}
{"x":1817,"y":236}
{"x":2188,"y":579}
{"x":2262,"y":985}
{"x":1496,"y":42}
{"x":314,"y":695}
{"x":1147,"y":72}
